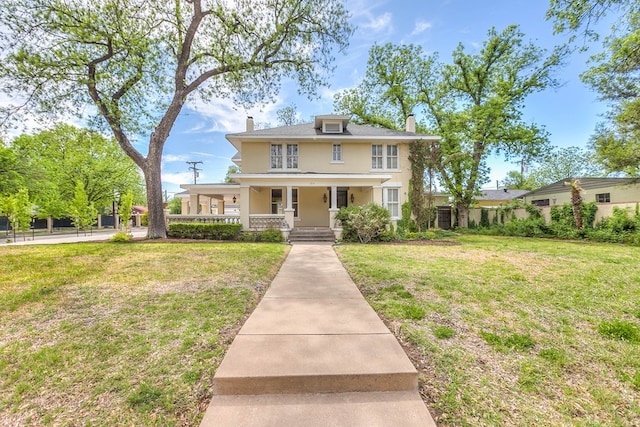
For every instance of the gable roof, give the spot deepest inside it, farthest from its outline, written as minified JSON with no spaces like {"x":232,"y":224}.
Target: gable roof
{"x":585,"y":183}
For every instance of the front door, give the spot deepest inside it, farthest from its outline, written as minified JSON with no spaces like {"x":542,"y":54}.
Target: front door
{"x":342,"y":195}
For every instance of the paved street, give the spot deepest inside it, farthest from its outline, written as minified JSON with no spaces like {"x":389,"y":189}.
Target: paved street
{"x":49,"y":239}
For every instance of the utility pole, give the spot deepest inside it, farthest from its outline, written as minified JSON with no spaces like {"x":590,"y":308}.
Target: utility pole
{"x":194,"y":169}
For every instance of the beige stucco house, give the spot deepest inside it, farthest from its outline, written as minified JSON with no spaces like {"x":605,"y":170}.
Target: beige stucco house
{"x":301,"y":175}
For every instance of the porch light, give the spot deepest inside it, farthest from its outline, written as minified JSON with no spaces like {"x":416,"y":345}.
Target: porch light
{"x":353,"y":198}
{"x":234,"y":199}
{"x":324,"y":197}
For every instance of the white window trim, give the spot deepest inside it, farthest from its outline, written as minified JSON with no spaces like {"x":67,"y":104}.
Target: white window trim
{"x":385,"y":197}
{"x":341,"y":161}
{"x":283,"y":157}
{"x":331,"y":122}
{"x":384,"y":159}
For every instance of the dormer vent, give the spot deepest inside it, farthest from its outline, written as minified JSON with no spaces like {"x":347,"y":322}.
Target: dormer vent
{"x":331,"y":127}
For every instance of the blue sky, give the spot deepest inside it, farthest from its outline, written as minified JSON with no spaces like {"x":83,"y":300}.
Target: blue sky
{"x":569,"y":113}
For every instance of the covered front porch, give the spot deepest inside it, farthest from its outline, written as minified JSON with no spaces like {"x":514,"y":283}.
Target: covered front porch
{"x":283,"y":201}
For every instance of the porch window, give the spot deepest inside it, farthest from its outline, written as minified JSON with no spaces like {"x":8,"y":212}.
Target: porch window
{"x":292,"y":156}
{"x":337,"y":153}
{"x":393,"y":202}
{"x":392,"y":157}
{"x":276,"y":156}
{"x":276,"y":200}
{"x":376,"y":157}
{"x":294,"y":202}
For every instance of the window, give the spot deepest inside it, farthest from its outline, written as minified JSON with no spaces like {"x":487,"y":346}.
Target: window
{"x":392,"y":157}
{"x":384,"y":157}
{"x":292,"y":156}
{"x":278,"y":159}
{"x":393,"y":202}
{"x":540,"y":202}
{"x":337,"y":153}
{"x":603,"y":198}
{"x":294,"y":202}
{"x":276,"y":200}
{"x":376,"y":157}
{"x":276,"y":156}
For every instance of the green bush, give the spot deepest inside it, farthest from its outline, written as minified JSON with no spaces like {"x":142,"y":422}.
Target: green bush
{"x":484,"y":218}
{"x":363,"y":223}
{"x":121,"y":237}
{"x":271,"y":235}
{"x":144,"y":220}
{"x":195,"y":230}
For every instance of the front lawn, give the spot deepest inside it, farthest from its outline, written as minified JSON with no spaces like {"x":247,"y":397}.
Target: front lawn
{"x":513,"y":331}
{"x":121,"y":334}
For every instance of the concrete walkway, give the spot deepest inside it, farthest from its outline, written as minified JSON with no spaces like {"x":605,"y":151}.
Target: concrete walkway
{"x":314,"y":353}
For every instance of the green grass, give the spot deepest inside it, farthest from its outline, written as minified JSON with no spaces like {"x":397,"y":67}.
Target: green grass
{"x":112,"y":334}
{"x":514,"y":331}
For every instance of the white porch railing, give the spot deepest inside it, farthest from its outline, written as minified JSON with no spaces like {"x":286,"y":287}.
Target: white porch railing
{"x":209,"y":219}
{"x":263,"y":222}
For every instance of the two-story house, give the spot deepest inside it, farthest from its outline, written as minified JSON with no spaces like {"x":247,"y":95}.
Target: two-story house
{"x":301,"y":175}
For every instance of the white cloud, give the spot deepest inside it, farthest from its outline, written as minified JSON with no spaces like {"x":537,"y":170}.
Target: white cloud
{"x":379,"y":24}
{"x":226,"y":117}
{"x":421,"y":26}
{"x":181,"y":177}
{"x":168,"y":158}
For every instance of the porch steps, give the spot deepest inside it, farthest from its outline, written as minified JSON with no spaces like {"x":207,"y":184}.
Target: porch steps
{"x":311,"y":234}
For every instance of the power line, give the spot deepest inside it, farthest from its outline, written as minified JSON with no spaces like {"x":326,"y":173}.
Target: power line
{"x":194,"y":169}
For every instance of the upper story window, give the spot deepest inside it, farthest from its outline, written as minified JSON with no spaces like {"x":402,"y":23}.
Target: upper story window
{"x":336,"y":155}
{"x":603,"y":198}
{"x":281,"y":159}
{"x":376,"y":157}
{"x":384,"y":157}
{"x":392,"y":157}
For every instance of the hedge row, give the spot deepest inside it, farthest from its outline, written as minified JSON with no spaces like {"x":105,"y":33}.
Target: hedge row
{"x":195,"y":230}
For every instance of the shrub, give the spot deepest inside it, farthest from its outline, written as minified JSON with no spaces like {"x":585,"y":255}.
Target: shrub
{"x":484,"y":218}
{"x":121,"y":237}
{"x":271,"y":235}
{"x":195,"y":230}
{"x":363,"y":223}
{"x":144,"y":219}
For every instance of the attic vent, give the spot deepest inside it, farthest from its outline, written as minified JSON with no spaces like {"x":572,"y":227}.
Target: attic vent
{"x":331,"y":127}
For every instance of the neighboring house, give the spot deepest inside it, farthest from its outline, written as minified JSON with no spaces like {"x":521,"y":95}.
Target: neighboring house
{"x":497,"y":198}
{"x":301,"y":175}
{"x":599,"y":190}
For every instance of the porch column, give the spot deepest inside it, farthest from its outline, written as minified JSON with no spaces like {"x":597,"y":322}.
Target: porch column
{"x":289,"y":211}
{"x":245,"y":208}
{"x":220,"y":207}
{"x":194,"y":204}
{"x":334,"y":197}
{"x":333,"y":210}
{"x":185,"y":206}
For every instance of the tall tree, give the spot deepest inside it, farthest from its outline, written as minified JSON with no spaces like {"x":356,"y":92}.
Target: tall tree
{"x":475,"y":103}
{"x":288,"y":116}
{"x":139,"y":61}
{"x":564,"y":163}
{"x":80,"y":209}
{"x":64,"y":155}
{"x":614,"y":74}
{"x":12,"y":170}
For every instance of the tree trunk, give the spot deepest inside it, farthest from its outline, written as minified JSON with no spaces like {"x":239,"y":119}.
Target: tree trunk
{"x":462,"y":215}
{"x":152,"y":175}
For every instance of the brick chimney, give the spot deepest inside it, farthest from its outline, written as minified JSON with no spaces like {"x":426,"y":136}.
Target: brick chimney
{"x":411,"y":123}
{"x":249,"y":124}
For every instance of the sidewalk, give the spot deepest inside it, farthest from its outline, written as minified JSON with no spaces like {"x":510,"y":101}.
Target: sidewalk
{"x":314,"y":353}
{"x":51,"y":239}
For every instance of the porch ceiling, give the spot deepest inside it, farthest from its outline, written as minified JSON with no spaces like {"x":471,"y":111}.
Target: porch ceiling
{"x":312,"y":179}
{"x":212,"y":189}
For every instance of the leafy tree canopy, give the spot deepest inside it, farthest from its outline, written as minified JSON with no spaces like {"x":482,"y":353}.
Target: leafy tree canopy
{"x":138,"y":61}
{"x":614,"y":74}
{"x":59,"y":158}
{"x":474,"y":103}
